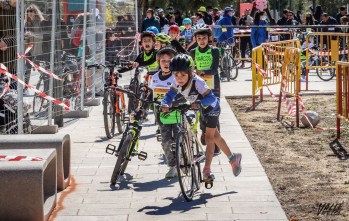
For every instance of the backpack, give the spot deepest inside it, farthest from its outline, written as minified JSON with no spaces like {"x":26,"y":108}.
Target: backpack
{"x":217,"y":32}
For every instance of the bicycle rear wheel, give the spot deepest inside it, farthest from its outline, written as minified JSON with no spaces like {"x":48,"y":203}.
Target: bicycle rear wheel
{"x":197,"y":154}
{"x":121,"y":162}
{"x":120,"y":116}
{"x":326,"y":74}
{"x":185,"y":167}
{"x":37,"y":100}
{"x":109,"y":113}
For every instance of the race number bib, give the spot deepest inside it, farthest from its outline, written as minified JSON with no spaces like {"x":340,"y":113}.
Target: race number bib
{"x":159,"y":93}
{"x":209,"y":79}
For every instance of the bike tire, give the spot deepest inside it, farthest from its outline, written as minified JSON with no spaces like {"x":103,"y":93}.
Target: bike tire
{"x":196,"y":153}
{"x":109,"y":113}
{"x":226,"y":67}
{"x":326,"y":74}
{"x":121,"y":162}
{"x":120,"y":117}
{"x":131,"y":100}
{"x":37,"y":99}
{"x":185,"y":168}
{"x":233,"y":64}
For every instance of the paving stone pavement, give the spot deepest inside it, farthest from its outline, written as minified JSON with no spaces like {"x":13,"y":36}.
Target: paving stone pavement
{"x":144,"y":194}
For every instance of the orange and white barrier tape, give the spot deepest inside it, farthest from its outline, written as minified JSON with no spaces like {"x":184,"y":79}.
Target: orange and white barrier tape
{"x":242,"y":31}
{"x":324,"y":53}
{"x":3,"y":70}
{"x":37,"y":67}
{"x":19,"y":158}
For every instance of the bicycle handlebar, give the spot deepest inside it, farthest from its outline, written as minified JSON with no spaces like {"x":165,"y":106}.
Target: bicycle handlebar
{"x":135,"y":95}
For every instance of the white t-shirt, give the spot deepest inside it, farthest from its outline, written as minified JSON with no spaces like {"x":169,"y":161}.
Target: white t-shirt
{"x":157,"y":82}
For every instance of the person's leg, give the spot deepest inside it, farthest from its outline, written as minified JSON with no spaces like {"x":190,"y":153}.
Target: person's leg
{"x":167,"y":140}
{"x":243,"y":46}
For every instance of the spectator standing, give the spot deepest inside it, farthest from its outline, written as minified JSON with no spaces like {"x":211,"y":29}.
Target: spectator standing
{"x":178,"y":17}
{"x":170,"y":12}
{"x":317,"y":13}
{"x":205,"y":16}
{"x":163,"y":21}
{"x":290,"y":19}
{"x":259,"y":35}
{"x":150,"y":20}
{"x":283,"y":20}
{"x":215,"y":14}
{"x":199,"y":19}
{"x":8,"y":36}
{"x":246,"y":20}
{"x":341,"y":13}
{"x":329,"y":20}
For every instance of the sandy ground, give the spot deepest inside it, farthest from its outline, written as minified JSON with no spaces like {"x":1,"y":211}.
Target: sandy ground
{"x":309,"y":179}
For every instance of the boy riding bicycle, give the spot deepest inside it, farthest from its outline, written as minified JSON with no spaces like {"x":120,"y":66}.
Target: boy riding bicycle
{"x":206,"y":59}
{"x":160,"y":84}
{"x":195,"y":90}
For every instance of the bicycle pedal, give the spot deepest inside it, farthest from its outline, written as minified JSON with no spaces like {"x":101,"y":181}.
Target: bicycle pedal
{"x":142,"y":155}
{"x":173,"y":147}
{"x":110,"y":149}
{"x":209,"y":183}
{"x":159,"y":137}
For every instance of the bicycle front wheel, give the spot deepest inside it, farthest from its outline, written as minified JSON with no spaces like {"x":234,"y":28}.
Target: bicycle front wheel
{"x":233,"y":64}
{"x":121,"y":162}
{"x":109,"y":113}
{"x":185,"y":167}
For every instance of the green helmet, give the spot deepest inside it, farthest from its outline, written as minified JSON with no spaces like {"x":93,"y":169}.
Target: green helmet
{"x":163,"y":38}
{"x":181,"y":28}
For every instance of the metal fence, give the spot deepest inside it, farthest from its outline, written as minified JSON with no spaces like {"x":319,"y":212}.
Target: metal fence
{"x":44,"y":56}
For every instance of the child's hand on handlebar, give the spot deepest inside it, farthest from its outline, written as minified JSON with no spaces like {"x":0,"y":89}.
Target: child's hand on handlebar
{"x":134,"y":64}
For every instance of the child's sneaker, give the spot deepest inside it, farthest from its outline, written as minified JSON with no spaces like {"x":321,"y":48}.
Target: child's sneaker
{"x":172,"y":172}
{"x":235,"y":162}
{"x":207,"y":175}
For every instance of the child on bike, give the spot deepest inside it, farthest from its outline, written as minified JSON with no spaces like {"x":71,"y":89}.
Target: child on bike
{"x":195,"y":90}
{"x":147,"y":58}
{"x":173,"y":32}
{"x":206,"y":59}
{"x":160,"y":84}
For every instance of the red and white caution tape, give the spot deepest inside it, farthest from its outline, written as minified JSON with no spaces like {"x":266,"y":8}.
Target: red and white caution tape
{"x":324,"y":53}
{"x":37,"y":67}
{"x":242,"y":31}
{"x":133,"y":48}
{"x":3,"y":70}
{"x":19,"y":158}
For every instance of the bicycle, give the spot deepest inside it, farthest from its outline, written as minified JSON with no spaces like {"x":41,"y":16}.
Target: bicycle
{"x":114,"y":105}
{"x":189,"y":153}
{"x":128,"y":146}
{"x":43,"y":79}
{"x":228,"y":61}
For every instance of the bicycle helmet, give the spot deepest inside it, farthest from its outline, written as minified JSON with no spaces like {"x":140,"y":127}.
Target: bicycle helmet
{"x":186,"y":21}
{"x":163,"y":38}
{"x":181,"y":62}
{"x":153,"y":29}
{"x":166,"y":50}
{"x":148,"y":34}
{"x":181,"y":28}
{"x":203,"y":31}
{"x":174,"y":28}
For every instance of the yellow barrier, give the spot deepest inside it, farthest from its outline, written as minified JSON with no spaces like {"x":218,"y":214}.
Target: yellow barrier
{"x":290,"y":84}
{"x":330,"y":46}
{"x":267,"y":61}
{"x":342,"y":94}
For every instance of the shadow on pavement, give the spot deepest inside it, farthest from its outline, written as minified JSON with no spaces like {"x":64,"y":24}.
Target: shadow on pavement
{"x":180,"y":205}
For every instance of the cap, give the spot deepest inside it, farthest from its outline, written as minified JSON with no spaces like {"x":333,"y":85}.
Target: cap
{"x":160,"y":10}
{"x":202,"y":9}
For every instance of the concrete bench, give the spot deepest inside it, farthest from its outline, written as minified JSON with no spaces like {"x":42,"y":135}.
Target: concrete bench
{"x":28,"y":186}
{"x":60,"y":142}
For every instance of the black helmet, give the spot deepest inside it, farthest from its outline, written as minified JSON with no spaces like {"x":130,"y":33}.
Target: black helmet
{"x":181,"y":62}
{"x":148,"y":34}
{"x":166,"y":50}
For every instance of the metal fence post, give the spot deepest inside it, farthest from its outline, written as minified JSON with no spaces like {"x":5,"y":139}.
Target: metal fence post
{"x":83,"y":56}
{"x":52,"y":59}
{"x":20,"y":62}
{"x":136,"y":9}
{"x":94,"y":50}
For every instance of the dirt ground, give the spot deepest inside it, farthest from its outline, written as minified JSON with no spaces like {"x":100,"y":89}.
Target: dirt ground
{"x":309,"y":179}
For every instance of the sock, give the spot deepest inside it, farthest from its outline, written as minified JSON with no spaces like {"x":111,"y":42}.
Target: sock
{"x":207,"y":170}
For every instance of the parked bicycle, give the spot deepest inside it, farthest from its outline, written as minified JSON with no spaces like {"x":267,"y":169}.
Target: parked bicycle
{"x":128,"y":146}
{"x":228,"y":62}
{"x":114,"y":104}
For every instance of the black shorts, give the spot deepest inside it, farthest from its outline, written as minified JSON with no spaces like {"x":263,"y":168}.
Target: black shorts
{"x":211,"y":119}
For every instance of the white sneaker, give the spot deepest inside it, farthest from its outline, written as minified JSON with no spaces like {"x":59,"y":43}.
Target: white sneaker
{"x":172,"y":172}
